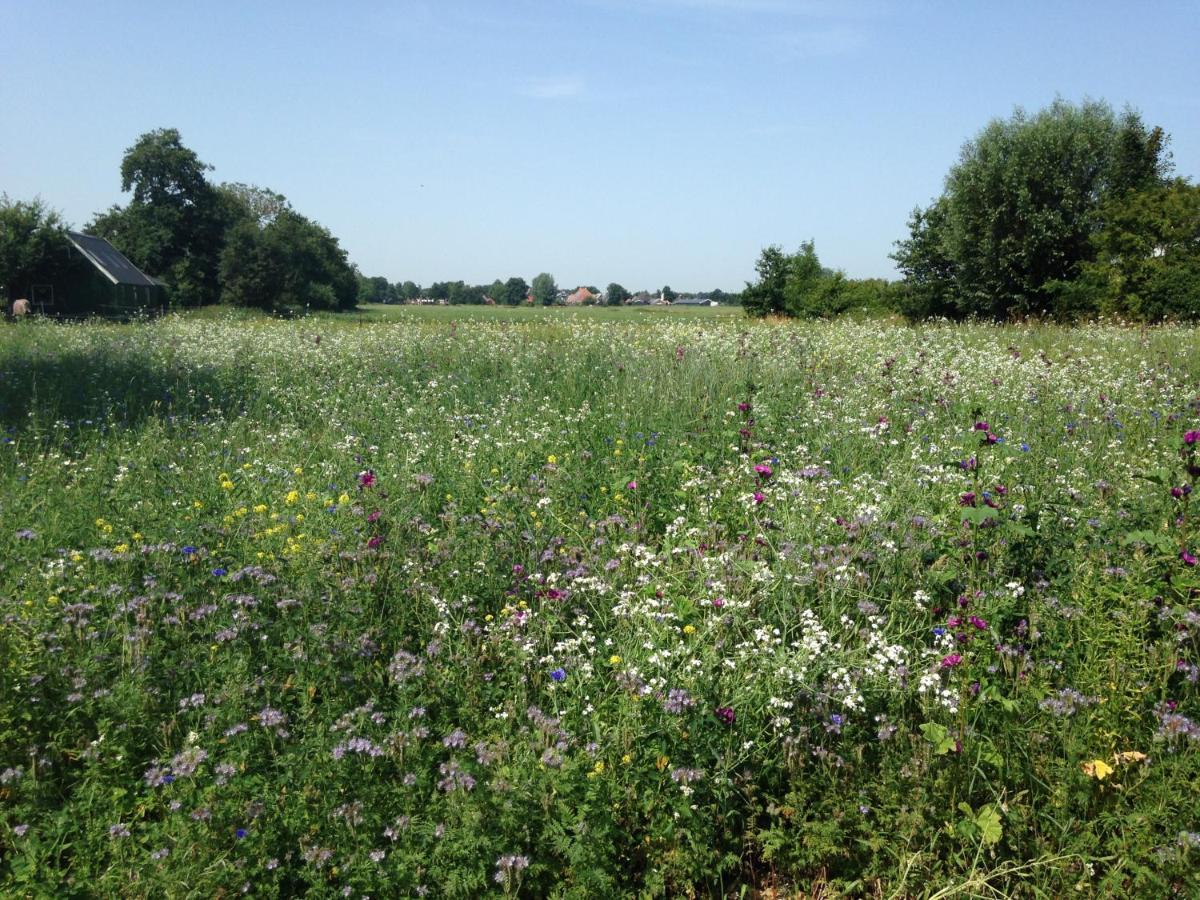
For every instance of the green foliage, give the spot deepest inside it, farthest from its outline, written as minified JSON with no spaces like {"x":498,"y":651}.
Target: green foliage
{"x":669,"y":295}
{"x":1147,"y":264}
{"x":32,"y":241}
{"x":510,"y":293}
{"x":795,"y":285}
{"x":174,"y":225}
{"x":616,"y":294}
{"x":544,"y":290}
{"x":1021,"y":208}
{"x":291,"y":263}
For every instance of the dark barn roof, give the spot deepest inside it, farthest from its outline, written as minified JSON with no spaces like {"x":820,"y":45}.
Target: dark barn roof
{"x":110,"y":261}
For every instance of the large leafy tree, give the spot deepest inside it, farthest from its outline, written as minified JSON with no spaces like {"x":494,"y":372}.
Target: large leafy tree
{"x":175,"y":222}
{"x":32,"y":242}
{"x":290,"y":263}
{"x":544,"y":290}
{"x":1020,"y":207}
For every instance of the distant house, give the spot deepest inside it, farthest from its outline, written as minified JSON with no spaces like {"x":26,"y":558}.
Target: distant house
{"x":581,"y":297}
{"x":641,"y":298}
{"x":94,"y":278}
{"x":695,"y":301}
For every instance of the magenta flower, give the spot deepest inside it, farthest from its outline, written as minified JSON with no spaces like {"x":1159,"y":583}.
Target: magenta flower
{"x":1191,"y":437}
{"x":982,"y":426}
{"x":759,"y":497}
{"x":744,"y":407}
{"x":763,"y":471}
{"x":1188,"y":558}
{"x":725,"y":714}
{"x":967,"y":499}
{"x":951,"y":660}
{"x":632,"y":486}
{"x":374,"y":542}
{"x":366,"y":478}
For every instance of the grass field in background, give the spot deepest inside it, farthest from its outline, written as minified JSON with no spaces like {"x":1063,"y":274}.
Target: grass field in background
{"x":585,"y":603}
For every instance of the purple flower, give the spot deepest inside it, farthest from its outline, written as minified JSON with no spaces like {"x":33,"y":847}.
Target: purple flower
{"x":218,"y":571}
{"x":1188,"y":558}
{"x":725,"y":714}
{"x":1191,"y":437}
{"x":241,"y":833}
{"x":559,"y":675}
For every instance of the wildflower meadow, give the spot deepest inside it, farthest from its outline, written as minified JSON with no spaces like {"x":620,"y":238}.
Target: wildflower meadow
{"x":574,"y":603}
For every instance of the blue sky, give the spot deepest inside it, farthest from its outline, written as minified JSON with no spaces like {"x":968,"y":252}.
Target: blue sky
{"x":647,"y":142}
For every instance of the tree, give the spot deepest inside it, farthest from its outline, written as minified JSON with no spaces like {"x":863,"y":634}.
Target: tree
{"x":616,"y":294}
{"x":250,"y":201}
{"x":765,"y":296}
{"x":514,"y":292}
{"x":374,"y":290}
{"x":1147,"y":262}
{"x":174,"y":226}
{"x":291,"y":263}
{"x":32,"y":240}
{"x":545,"y":291}
{"x":669,"y":295}
{"x":1022,"y":204}
{"x":408,"y":292}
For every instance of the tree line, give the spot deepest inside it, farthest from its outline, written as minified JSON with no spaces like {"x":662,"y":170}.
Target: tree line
{"x":231,"y":243}
{"x":514,"y":291}
{"x":1068,"y":213}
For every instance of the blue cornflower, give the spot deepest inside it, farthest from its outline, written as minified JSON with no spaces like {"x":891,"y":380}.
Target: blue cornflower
{"x":241,"y":833}
{"x":219,"y":571}
{"x":1024,"y":447}
{"x":188,"y":550}
{"x":939,"y":631}
{"x":559,"y":675}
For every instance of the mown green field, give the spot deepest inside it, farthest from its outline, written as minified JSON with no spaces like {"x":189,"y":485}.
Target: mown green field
{"x":592,"y":603}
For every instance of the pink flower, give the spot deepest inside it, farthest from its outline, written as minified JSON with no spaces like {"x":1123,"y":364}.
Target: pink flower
{"x":374,"y":542}
{"x":366,"y":478}
{"x":1188,"y":558}
{"x":763,"y":471}
{"x":632,"y":486}
{"x":1191,"y":437}
{"x":951,"y":660}
{"x":759,"y":497}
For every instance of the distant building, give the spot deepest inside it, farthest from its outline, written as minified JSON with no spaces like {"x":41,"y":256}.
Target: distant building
{"x":580,"y":297}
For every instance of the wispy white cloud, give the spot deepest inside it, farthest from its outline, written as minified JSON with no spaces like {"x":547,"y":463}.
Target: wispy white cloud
{"x":555,"y":88}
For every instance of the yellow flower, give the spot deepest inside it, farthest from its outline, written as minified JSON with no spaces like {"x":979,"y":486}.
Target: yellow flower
{"x":1097,"y":769}
{"x":626,"y":759}
{"x":689,"y":629}
{"x":662,"y":762}
{"x":343,"y":498}
{"x":552,"y":459}
{"x":121,"y":548}
{"x":260,"y":508}
{"x":298,"y":470}
{"x":292,"y":497}
{"x":614,"y":660}
{"x":197,"y":504}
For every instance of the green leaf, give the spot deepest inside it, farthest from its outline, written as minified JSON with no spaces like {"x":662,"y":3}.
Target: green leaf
{"x":988,"y":823}
{"x":938,"y":736}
